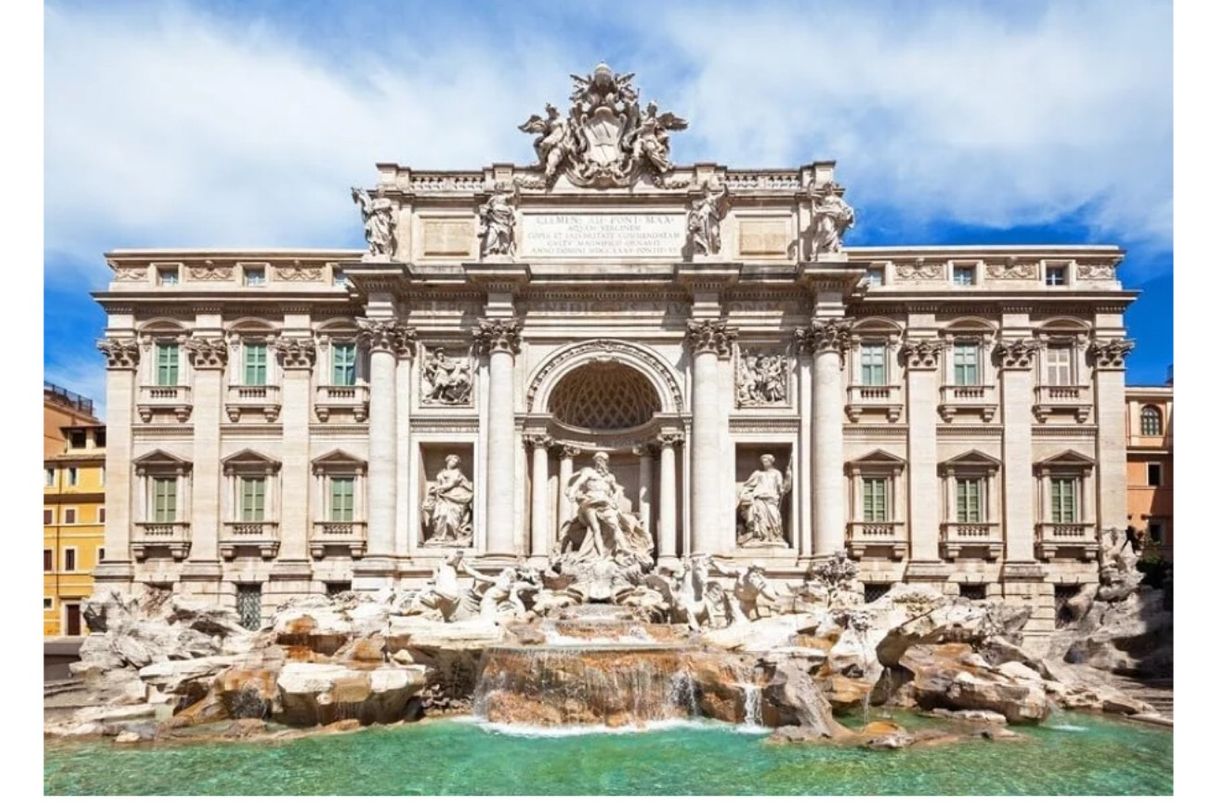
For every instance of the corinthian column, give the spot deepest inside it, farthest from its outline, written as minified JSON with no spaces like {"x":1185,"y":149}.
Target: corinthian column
{"x":668,"y":495}
{"x":385,"y":339}
{"x":710,"y":341}
{"x":499,"y":339}
{"x":540,"y":506}
{"x":826,"y":340}
{"x":1108,"y":361}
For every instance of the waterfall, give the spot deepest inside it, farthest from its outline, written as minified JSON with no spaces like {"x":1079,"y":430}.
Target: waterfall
{"x":752,"y":705}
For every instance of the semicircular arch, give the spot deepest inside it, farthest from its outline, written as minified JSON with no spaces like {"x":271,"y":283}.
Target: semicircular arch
{"x":558,"y":364}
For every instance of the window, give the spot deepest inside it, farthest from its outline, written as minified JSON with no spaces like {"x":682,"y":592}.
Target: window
{"x":101,"y":554}
{"x":167,"y":276}
{"x":964,"y":275}
{"x":873,"y":592}
{"x":167,"y":364}
{"x":972,"y":591}
{"x":875,"y":499}
{"x":340,"y":278}
{"x":69,"y":516}
{"x":1055,"y":276}
{"x":874,"y":361}
{"x":254,"y":276}
{"x":255,"y":364}
{"x":164,"y":499}
{"x":1063,"y":500}
{"x":48,"y":560}
{"x":48,"y":604}
{"x":69,"y":559}
{"x":101,"y":516}
{"x":1152,"y":421}
{"x":253,"y":499}
{"x":50,"y":477}
{"x":875,"y":276}
{"x":966,"y":363}
{"x":77,"y":439}
{"x":73,"y":475}
{"x":99,"y":440}
{"x":343,"y":366}
{"x":336,"y":587}
{"x":342,"y":499}
{"x":969,"y":507}
{"x":249,"y":605}
{"x":1059,"y":366}
{"x":1154,"y":474}
{"x":48,"y":517}
{"x":1154,"y":531}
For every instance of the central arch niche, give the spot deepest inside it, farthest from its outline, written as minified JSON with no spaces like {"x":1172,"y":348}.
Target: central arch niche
{"x":609,"y":396}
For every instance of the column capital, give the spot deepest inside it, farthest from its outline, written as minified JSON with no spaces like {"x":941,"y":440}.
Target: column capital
{"x":645,"y":449}
{"x":1109,"y":354}
{"x":569,"y":451}
{"x":387,"y":334}
{"x":296,"y":353}
{"x":538,"y":440}
{"x":207,"y":353}
{"x":832,"y":334}
{"x":922,"y":354}
{"x":711,"y":336}
{"x":499,"y":334}
{"x":670,"y":439}
{"x":121,"y":354}
{"x":1016,"y":354}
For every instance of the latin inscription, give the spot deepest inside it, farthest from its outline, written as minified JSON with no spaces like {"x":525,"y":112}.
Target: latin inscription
{"x":603,"y":235}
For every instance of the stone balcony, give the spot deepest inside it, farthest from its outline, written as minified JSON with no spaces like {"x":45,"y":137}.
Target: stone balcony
{"x":154,"y":398}
{"x":1072,"y":399}
{"x":252,"y":398}
{"x":955,"y":537}
{"x":353,"y":536}
{"x":958,"y":398}
{"x":885,"y":398}
{"x":889,"y":537}
{"x":1076,"y":539}
{"x":171,"y":536}
{"x":261,"y":536}
{"x":350,"y":398}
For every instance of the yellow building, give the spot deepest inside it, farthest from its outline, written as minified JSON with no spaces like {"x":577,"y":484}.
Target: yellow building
{"x":74,"y":520}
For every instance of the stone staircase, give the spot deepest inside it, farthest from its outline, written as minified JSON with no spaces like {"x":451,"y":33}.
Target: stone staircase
{"x":1156,"y":692}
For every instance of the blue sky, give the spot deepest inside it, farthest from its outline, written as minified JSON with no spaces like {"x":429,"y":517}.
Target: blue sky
{"x":242,"y":124}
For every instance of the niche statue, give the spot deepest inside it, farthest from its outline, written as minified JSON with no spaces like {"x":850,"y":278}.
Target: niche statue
{"x":447,"y":507}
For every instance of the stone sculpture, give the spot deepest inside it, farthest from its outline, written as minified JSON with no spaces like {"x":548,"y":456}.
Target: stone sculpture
{"x":834,"y":576}
{"x":442,"y":595}
{"x":750,"y":586}
{"x":497,"y":223}
{"x":448,"y":506}
{"x":380,"y":221}
{"x":689,"y":593}
{"x":702,"y":223}
{"x":759,"y":504}
{"x":446,"y":380}
{"x":600,"y":527}
{"x":553,"y":143}
{"x":761,"y":379}
{"x":831,"y":218}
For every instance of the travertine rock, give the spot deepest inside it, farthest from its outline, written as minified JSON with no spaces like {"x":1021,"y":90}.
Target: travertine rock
{"x":947,"y":676}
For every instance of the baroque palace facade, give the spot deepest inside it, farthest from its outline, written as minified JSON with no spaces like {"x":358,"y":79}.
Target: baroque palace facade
{"x":292,"y":421}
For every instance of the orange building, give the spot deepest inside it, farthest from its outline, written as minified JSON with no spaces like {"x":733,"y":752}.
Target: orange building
{"x":1149,"y":470}
{"x":62,"y":408}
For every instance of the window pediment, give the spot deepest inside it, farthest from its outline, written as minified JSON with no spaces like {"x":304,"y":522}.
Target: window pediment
{"x":247,"y":460}
{"x":876,"y":461}
{"x":158,"y":461}
{"x":1067,"y":462}
{"x":973,"y":461}
{"x":338,"y":461}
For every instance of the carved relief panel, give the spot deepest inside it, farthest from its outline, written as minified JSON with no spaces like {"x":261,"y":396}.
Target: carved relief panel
{"x":446,"y":375}
{"x":763,"y":377}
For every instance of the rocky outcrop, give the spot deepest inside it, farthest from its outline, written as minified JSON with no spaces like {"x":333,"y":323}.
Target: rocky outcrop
{"x":789,"y":696}
{"x":312,"y":694}
{"x":954,"y":676}
{"x":1131,"y":636}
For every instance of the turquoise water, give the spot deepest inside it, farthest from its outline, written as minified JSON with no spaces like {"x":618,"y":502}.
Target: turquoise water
{"x":1072,"y":754}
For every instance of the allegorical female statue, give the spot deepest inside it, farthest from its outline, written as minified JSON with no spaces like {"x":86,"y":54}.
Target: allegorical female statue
{"x":447,"y":506}
{"x":379,"y":220}
{"x":760,"y":505}
{"x":498,"y":223}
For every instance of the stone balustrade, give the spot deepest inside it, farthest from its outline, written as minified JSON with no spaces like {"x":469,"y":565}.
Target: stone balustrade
{"x":983,"y":536}
{"x":957,"y":398}
{"x":1066,"y":538}
{"x":329,"y":536}
{"x":173,"y":537}
{"x":885,"y":398}
{"x":154,"y":398}
{"x":887,"y":537}
{"x":351,"y":398}
{"x":260,"y":398}
{"x":1071,"y":399}
{"x":260,"y":536}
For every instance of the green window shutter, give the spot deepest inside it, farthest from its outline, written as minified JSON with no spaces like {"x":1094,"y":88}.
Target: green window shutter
{"x":253,"y":499}
{"x":1063,"y":505}
{"x":874,"y":365}
{"x":968,"y":500}
{"x":343,"y":370}
{"x":166,"y":364}
{"x":875,"y":500}
{"x":966,"y":364}
{"x":164,"y":499}
{"x":255,"y":364}
{"x":342,"y":499}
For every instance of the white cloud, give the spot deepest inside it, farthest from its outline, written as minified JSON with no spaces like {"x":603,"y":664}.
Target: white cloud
{"x":171,"y":128}
{"x":83,"y":374}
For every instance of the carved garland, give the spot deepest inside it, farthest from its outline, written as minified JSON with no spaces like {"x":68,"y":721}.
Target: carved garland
{"x":210,"y":272}
{"x":922,"y":354}
{"x":122,"y":273}
{"x":296,"y":352}
{"x":1011,"y":271}
{"x":296,"y":272}
{"x":1016,"y":354}
{"x":710,"y":336}
{"x":604,"y":347}
{"x":121,"y":354}
{"x":499,"y":334}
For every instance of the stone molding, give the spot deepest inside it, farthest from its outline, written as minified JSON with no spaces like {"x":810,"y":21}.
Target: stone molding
{"x":500,"y":334}
{"x":1110,"y":354}
{"x":711,"y":336}
{"x":922,"y":354}
{"x":207,"y":353}
{"x":386,"y":334}
{"x":1016,"y":354}
{"x":642,"y":359}
{"x":121,"y":354}
{"x":296,"y":353}
{"x":825,"y":335}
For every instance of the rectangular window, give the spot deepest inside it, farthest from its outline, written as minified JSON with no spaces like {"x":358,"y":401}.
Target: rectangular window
{"x":972,"y":591}
{"x":69,"y":559}
{"x":1154,"y":530}
{"x":343,"y":368}
{"x":875,"y":499}
{"x":167,"y":276}
{"x":254,"y":276}
{"x":167,"y":364}
{"x":48,"y":604}
{"x":1055,"y":276}
{"x":253,"y":499}
{"x":969,"y":508}
{"x":966,"y":362}
{"x":73,"y":475}
{"x":48,"y":560}
{"x":255,"y":364}
{"x":101,"y":516}
{"x":1059,"y":366}
{"x":342,"y":499}
{"x":48,"y":517}
{"x":50,"y":477}
{"x":874,"y":360}
{"x":249,"y":605}
{"x":78,"y":439}
{"x":337,"y":587}
{"x":873,"y":592}
{"x":1154,"y":474}
{"x":164,"y":499}
{"x":101,"y":554}
{"x":875,"y":276}
{"x":965,"y":275}
{"x":1063,"y":503}
{"x":69,"y":516}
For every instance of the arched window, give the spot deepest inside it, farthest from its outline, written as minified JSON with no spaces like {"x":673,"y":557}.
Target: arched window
{"x":1152,"y":420}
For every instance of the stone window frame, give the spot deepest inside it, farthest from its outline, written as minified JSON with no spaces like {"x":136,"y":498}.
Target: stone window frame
{"x":876,"y":330}
{"x":345,"y":331}
{"x":877,"y":464}
{"x":248,"y":267}
{"x":160,"y":332}
{"x":968,"y":331}
{"x":975,"y":264}
{"x":1067,"y":266}
{"x":247,"y":463}
{"x":338,"y":463}
{"x":1062,"y":333}
{"x":159,"y":463}
{"x":1157,"y":412}
{"x":1066,"y":465}
{"x":973,"y":464}
{"x":74,"y":566}
{"x":246,"y":331}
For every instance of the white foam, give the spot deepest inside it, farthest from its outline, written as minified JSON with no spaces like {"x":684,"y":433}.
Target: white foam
{"x":568,"y":730}
{"x":1068,"y":727}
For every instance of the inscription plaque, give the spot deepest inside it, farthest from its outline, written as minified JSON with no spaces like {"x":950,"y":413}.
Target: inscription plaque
{"x":602,"y":235}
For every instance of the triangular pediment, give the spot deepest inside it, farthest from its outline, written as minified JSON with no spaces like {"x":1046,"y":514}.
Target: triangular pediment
{"x":973,"y":459}
{"x":878,"y":459}
{"x":338,"y":459}
{"x":1068,"y":460}
{"x":160,"y":459}
{"x":248,"y":458}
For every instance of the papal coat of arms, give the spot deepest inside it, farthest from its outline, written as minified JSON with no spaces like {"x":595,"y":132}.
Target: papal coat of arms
{"x":606,"y":140}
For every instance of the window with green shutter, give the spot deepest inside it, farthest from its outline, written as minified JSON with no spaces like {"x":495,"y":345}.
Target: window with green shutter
{"x":255,"y":364}
{"x":343,"y":369}
{"x":874,"y":355}
{"x":969,"y":507}
{"x":967,"y":363}
{"x":167,"y":364}
{"x":342,"y":499}
{"x":875,"y":499}
{"x":253,"y":499}
{"x":1063,"y":500}
{"x":164,"y":499}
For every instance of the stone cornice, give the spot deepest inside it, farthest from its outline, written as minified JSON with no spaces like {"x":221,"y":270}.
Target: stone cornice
{"x":497,"y":335}
{"x":710,"y":336}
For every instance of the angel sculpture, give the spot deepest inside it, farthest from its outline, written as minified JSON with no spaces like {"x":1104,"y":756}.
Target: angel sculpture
{"x":650,"y":137}
{"x":703,"y":221}
{"x":379,"y":219}
{"x":553,"y":142}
